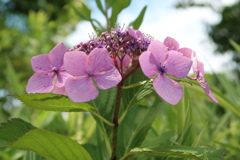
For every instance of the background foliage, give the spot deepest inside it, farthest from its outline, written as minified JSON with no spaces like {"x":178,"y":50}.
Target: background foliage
{"x":28,"y":29}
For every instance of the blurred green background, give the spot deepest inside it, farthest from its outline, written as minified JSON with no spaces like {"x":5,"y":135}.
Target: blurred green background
{"x":28,"y":29}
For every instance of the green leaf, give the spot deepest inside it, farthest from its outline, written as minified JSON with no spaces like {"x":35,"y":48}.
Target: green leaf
{"x":12,"y":130}
{"x":53,"y":102}
{"x":133,"y":95}
{"x":19,"y":134}
{"x":117,"y":7}
{"x":105,"y":103}
{"x":134,"y":127}
{"x":100,"y":7}
{"x":138,"y":21}
{"x":179,"y":152}
{"x":59,"y":103}
{"x":84,"y":12}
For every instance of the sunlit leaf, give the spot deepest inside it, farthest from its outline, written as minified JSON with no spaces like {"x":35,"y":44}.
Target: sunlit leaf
{"x":235,"y":45}
{"x":58,"y":103}
{"x":179,"y":152}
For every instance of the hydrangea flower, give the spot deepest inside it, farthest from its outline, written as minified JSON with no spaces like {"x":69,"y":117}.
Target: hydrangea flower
{"x":159,"y":60}
{"x":198,"y":67}
{"x":49,"y":71}
{"x":97,"y":66}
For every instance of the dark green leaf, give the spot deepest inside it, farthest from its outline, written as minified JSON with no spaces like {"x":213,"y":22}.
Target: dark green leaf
{"x":105,"y":103}
{"x":19,"y":134}
{"x":117,"y":7}
{"x":134,"y":127}
{"x":138,"y":21}
{"x":180,"y":152}
{"x":12,"y":130}
{"x":133,"y":95}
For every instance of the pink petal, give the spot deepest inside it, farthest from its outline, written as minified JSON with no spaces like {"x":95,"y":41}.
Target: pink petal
{"x":178,"y":65}
{"x":171,"y":43}
{"x":200,"y":67}
{"x":99,"y":60}
{"x":186,"y":52}
{"x":195,"y":64}
{"x":41,"y":62}
{"x":56,"y":55}
{"x":61,"y":90}
{"x":107,"y":79}
{"x":40,"y":82}
{"x":135,"y":33}
{"x":75,"y":63}
{"x":159,"y":51}
{"x":205,"y":86}
{"x":81,"y":89}
{"x":61,"y":78}
{"x":147,"y":64}
{"x":169,"y":90}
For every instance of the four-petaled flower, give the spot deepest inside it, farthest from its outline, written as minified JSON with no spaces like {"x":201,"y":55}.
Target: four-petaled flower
{"x":159,"y":60}
{"x":97,"y":66}
{"x":197,"y":66}
{"x":50,"y":71}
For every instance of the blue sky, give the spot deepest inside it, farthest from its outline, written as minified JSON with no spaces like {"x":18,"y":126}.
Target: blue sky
{"x":162,"y":19}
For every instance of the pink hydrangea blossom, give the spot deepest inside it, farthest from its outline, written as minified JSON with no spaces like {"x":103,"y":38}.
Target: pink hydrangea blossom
{"x":97,"y":66}
{"x":159,"y":60}
{"x":49,"y":71}
{"x":198,"y":67}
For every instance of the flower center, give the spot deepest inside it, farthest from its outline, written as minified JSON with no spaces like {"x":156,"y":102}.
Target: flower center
{"x":90,"y":74}
{"x":54,"y":69}
{"x":162,"y":68}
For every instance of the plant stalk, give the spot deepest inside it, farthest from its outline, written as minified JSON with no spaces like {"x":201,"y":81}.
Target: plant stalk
{"x":115,"y":121}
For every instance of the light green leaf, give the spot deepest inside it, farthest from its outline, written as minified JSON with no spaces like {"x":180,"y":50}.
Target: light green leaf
{"x":53,"y":102}
{"x":179,"y":152}
{"x":59,"y":103}
{"x":84,"y":12}
{"x":138,"y":21}
{"x":19,"y":134}
{"x":235,"y":45}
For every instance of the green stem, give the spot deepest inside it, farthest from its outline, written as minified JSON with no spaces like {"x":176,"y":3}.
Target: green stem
{"x":103,"y":119}
{"x":115,"y":121}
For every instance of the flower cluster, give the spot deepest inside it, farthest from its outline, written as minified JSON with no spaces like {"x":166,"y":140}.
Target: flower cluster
{"x":106,"y":61}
